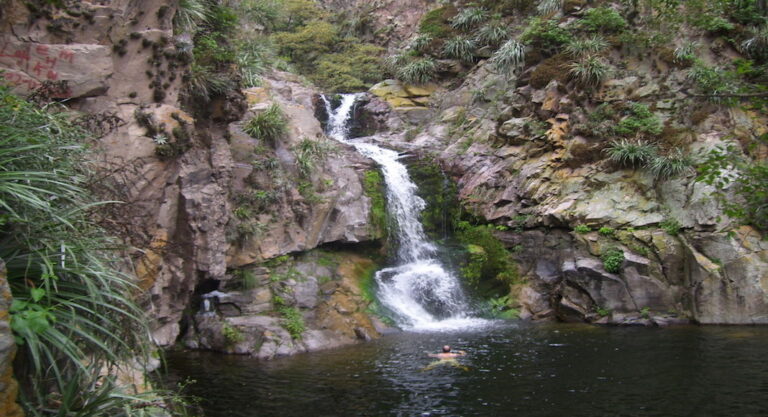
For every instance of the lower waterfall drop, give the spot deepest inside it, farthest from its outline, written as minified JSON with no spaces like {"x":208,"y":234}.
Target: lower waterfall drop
{"x":421,"y":293}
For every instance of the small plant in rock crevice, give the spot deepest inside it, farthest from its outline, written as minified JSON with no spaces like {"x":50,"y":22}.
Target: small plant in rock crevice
{"x":268,"y":125}
{"x":578,"y":48}
{"x":631,"y":153}
{"x":590,"y":71}
{"x":612,"y":259}
{"x":582,"y":229}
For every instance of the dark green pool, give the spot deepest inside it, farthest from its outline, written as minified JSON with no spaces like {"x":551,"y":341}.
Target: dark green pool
{"x":514,"y":370}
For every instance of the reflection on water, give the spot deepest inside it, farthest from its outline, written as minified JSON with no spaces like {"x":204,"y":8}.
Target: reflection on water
{"x":516,"y":370}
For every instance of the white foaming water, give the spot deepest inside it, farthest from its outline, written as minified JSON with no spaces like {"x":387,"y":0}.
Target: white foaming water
{"x":422,"y":294}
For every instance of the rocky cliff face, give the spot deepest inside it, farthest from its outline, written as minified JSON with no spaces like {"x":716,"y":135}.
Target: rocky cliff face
{"x":202,"y":200}
{"x":524,"y":160}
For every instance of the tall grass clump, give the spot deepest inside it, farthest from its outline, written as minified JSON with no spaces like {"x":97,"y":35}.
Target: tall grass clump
{"x":492,"y":33}
{"x":685,"y":53}
{"x":509,"y":57}
{"x":268,"y":125}
{"x":756,"y":46}
{"x":469,"y":18}
{"x":631,"y":153}
{"x":549,"y":6}
{"x":590,"y":71}
{"x":459,"y":47}
{"x":420,"y":43}
{"x":308,"y":152}
{"x":579,"y":48}
{"x":671,"y":165}
{"x":420,"y":71}
{"x":73,"y":316}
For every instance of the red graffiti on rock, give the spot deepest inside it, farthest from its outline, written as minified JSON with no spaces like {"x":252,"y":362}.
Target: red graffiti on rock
{"x":31,"y":64}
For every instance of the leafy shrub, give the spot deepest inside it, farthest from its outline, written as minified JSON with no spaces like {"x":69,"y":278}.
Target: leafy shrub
{"x":489,"y":259}
{"x":685,"y":53}
{"x":308,"y":42}
{"x":582,"y":229}
{"x":712,"y":81}
{"x":750,"y":185}
{"x":459,"y":47}
{"x":671,"y":226}
{"x":714,"y":24}
{"x":606,"y":231}
{"x":353,"y":69}
{"x":420,"y":71}
{"x":492,"y":33}
{"x":594,"y":45}
{"x":469,"y":18}
{"x":671,"y":165}
{"x":639,"y":120}
{"x":545,"y":35}
{"x":293,"y":321}
{"x":509,"y":57}
{"x":268,"y":125}
{"x":603,"y":19}
{"x":590,"y":71}
{"x":612,"y":258}
{"x":632,"y":153}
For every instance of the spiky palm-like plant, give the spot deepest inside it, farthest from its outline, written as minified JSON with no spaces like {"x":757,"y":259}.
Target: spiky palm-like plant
{"x":549,"y":6}
{"x":671,"y":165}
{"x":420,"y":71}
{"x":631,"y":153}
{"x":420,"y":43}
{"x":459,"y":47}
{"x":191,"y":14}
{"x":469,"y":18}
{"x":509,"y":57}
{"x":757,"y":45}
{"x":73,"y":315}
{"x":578,"y":48}
{"x":590,"y":71}
{"x":492,"y":33}
{"x":268,"y":125}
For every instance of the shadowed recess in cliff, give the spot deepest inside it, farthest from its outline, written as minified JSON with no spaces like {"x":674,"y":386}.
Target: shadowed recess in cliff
{"x":418,"y":290}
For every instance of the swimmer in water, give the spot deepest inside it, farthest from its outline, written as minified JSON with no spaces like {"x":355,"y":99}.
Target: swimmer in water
{"x":446,"y":357}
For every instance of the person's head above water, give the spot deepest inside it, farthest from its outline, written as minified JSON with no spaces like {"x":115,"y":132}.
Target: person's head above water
{"x":446,"y":349}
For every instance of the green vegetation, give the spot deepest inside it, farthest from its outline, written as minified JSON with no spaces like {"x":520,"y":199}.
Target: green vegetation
{"x":638,"y":120}
{"x":579,"y":48}
{"x":492,"y":33}
{"x":509,"y":57}
{"x":606,"y":231}
{"x":419,"y":71}
{"x":503,"y":308}
{"x":582,"y":229}
{"x":293,"y":321}
{"x":603,"y":19}
{"x":232,"y":334}
{"x":673,"y":164}
{"x":602,"y":312}
{"x":488,"y":258}
{"x":373,"y":185}
{"x":750,"y":186}
{"x":309,"y":151}
{"x":671,"y":226}
{"x":545,"y":35}
{"x":631,"y":153}
{"x":612,"y":258}
{"x":73,"y":313}
{"x":436,"y":22}
{"x":460,"y":47}
{"x":589,"y":71}
{"x":469,"y":18}
{"x":268,"y":125}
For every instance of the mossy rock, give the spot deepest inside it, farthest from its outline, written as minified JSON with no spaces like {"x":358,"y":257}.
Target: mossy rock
{"x":553,"y":68}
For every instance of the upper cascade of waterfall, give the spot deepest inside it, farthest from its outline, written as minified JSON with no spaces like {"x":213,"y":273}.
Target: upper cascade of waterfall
{"x":419,"y":290}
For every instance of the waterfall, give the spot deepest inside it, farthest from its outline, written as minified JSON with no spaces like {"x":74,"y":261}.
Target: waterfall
{"x":420,"y":292}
